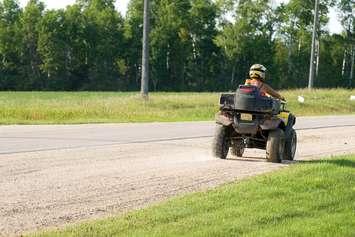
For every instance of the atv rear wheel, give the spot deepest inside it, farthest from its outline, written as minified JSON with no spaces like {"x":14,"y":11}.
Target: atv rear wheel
{"x":290,"y":145}
{"x":221,"y":142}
{"x":275,"y":146}
{"x":238,"y":148}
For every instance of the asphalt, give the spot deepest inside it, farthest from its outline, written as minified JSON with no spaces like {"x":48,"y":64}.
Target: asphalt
{"x":21,"y":139}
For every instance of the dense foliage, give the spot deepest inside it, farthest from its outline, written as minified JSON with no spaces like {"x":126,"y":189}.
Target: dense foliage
{"x":196,"y":45}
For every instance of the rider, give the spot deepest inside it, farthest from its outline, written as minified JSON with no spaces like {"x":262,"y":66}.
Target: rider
{"x":257,"y":78}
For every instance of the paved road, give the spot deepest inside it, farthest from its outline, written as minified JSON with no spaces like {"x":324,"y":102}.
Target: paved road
{"x":54,"y":175}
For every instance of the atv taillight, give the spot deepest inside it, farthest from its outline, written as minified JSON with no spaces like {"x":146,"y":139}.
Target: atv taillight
{"x":247,"y":89}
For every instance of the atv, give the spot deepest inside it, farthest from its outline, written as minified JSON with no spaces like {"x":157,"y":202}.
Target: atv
{"x":248,"y":119}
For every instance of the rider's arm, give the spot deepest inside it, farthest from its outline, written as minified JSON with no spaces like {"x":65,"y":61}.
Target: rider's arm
{"x":272,"y":92}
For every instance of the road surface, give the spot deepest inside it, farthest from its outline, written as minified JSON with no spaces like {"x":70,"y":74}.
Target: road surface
{"x":54,"y":175}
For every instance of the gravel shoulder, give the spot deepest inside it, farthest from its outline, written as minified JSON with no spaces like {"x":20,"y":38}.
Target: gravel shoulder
{"x":58,"y":175}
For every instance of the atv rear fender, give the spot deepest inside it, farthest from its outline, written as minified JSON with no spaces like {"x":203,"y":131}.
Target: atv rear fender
{"x":271,"y":124}
{"x":291,"y":122}
{"x":224,"y":119}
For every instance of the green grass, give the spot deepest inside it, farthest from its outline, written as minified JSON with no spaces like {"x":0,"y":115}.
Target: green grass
{"x":321,"y":102}
{"x":314,"y":198}
{"x":86,"y":107}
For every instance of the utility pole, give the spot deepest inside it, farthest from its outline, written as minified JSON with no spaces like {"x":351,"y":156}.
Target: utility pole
{"x":317,"y":55}
{"x":145,"y":52}
{"x":313,"y":51}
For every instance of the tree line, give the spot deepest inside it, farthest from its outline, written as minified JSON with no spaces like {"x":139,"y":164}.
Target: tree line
{"x":196,"y":45}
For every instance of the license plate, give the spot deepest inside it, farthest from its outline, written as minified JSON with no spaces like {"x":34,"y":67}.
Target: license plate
{"x":246,"y":117}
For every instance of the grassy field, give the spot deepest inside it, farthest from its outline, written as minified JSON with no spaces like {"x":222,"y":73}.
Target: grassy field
{"x":86,"y":107}
{"x":313,"y":198}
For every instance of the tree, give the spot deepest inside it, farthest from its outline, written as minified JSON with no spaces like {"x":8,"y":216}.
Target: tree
{"x":249,"y":39}
{"x":76,"y":64}
{"x":104,"y":44}
{"x":52,"y":47}
{"x":330,"y":70}
{"x":31,"y":60}
{"x":10,"y":45}
{"x":203,"y":62}
{"x":347,"y":17}
{"x":293,"y":34}
{"x":196,"y":45}
{"x":133,"y":34}
{"x":169,"y":43}
{"x":183,"y":54}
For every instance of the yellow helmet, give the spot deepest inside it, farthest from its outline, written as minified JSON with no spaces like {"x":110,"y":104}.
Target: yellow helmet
{"x":257,"y":71}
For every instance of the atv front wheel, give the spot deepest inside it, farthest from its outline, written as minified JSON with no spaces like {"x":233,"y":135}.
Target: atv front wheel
{"x":221,"y":143}
{"x":275,"y":146}
{"x":290,"y":145}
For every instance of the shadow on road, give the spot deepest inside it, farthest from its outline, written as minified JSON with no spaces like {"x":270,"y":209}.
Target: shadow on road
{"x":248,"y":159}
{"x":254,"y":160}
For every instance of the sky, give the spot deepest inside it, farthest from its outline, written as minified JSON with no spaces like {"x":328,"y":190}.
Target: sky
{"x":121,"y":5}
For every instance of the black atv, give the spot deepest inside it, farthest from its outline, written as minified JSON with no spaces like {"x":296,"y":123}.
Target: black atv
{"x":247,"y":119}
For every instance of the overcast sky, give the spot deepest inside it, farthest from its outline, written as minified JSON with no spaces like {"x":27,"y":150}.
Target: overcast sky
{"x":121,"y":5}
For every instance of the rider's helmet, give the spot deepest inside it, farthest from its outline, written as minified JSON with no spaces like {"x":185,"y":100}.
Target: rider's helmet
{"x":257,"y":71}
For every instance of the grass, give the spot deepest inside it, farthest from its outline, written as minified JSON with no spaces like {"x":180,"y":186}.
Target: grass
{"x":97,"y":107}
{"x":315,"y":198}
{"x":321,"y":102}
